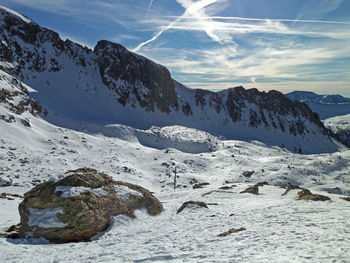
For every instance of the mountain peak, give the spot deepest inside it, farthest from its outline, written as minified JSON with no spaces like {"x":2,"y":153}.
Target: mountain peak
{"x":5,"y":11}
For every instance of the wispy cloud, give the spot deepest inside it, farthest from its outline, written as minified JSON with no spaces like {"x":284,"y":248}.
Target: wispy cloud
{"x":195,"y":10}
{"x":149,"y":7}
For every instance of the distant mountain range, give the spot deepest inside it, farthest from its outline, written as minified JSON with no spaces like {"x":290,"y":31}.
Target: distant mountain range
{"x":86,"y":89}
{"x":326,"y":106}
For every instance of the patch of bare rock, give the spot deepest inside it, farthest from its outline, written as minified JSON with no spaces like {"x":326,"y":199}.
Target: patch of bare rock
{"x":190,"y":204}
{"x":79,"y":206}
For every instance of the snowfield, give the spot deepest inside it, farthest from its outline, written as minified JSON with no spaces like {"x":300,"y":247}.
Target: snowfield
{"x":87,"y":128}
{"x":279,"y":228}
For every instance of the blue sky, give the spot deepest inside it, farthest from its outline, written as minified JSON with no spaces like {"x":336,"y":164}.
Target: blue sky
{"x":267,"y":44}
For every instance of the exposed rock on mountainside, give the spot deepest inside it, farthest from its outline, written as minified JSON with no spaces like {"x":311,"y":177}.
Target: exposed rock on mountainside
{"x":80,"y":205}
{"x":305,"y":194}
{"x":149,"y":83}
{"x":111,"y":84}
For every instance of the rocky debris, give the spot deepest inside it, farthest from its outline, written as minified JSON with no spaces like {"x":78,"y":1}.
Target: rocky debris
{"x":248,"y":174}
{"x":26,"y":123}
{"x":254,"y":189}
{"x":334,"y":190}
{"x":191,"y":203}
{"x":305,"y":194}
{"x":80,"y":205}
{"x":251,"y":190}
{"x":200,"y":185}
{"x":289,"y":187}
{"x":230,"y":231}
{"x":346,"y":198}
{"x":11,"y":232}
{"x":9,"y":118}
{"x":262,"y":183}
{"x":10,"y":196}
{"x":217,"y":191}
{"x":227,"y":187}
{"x":4,"y":181}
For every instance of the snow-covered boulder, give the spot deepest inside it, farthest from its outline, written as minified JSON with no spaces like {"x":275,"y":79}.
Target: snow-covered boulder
{"x":80,"y":206}
{"x":4,"y":181}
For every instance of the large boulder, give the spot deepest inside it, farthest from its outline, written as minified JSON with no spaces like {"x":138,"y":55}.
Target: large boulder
{"x":80,"y":205}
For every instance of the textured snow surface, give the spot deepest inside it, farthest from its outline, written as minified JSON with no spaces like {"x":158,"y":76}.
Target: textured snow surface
{"x":72,"y":191}
{"x":45,"y":218}
{"x":123,"y":192}
{"x":338,"y":123}
{"x":279,"y":228}
{"x":327,"y":106}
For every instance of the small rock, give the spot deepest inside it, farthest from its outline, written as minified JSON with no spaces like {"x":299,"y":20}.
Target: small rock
{"x":232,"y":230}
{"x":346,"y":198}
{"x":26,"y":123}
{"x":305,"y":194}
{"x":290,"y":187}
{"x":197,"y":203}
{"x":248,"y":173}
{"x":200,"y":185}
{"x":226,"y":187}
{"x":5,"y":181}
{"x":218,"y":191}
{"x":251,"y":190}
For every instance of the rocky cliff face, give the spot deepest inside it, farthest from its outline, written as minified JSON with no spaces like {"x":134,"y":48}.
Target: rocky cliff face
{"x":135,"y":78}
{"x":111,"y":84}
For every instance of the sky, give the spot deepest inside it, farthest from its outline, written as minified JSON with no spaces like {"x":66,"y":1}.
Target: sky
{"x":284,"y":45}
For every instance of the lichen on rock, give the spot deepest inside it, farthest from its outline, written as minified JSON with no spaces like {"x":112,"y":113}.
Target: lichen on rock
{"x":80,"y":206}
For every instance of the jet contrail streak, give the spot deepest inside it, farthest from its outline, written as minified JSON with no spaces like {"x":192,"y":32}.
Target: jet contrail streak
{"x":267,"y":19}
{"x":192,"y":9}
{"x":149,"y":7}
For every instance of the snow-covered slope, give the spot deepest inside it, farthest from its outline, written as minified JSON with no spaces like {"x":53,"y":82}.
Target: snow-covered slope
{"x":278,"y":228}
{"x":90,"y":90}
{"x":326,"y":106}
{"x":340,"y":125}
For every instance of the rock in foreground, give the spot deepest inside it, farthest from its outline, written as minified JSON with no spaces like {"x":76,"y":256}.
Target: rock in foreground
{"x":305,"y":194}
{"x":80,"y":205}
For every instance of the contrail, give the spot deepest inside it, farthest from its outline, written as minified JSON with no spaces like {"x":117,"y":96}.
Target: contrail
{"x":149,"y":7}
{"x":190,"y":10}
{"x":268,"y":19}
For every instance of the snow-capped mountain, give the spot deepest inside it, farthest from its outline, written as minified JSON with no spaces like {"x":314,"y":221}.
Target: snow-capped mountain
{"x":326,"y":106}
{"x":86,"y":89}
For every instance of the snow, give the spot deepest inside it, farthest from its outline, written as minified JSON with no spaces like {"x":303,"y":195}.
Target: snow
{"x":26,"y":20}
{"x":327,"y":106}
{"x":279,"y":229}
{"x":123,"y":192}
{"x":84,"y":130}
{"x":46,"y":218}
{"x":73,"y":191}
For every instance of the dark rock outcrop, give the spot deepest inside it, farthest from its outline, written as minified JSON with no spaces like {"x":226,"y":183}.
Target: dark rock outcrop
{"x":254,"y":189}
{"x":305,"y":194}
{"x":346,"y":198}
{"x":80,"y":205}
{"x":149,"y":83}
{"x":199,"y":185}
{"x":188,"y":203}
{"x":230,"y":231}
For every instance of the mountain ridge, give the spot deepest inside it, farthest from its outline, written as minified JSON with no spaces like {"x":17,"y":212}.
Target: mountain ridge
{"x":81,"y":88}
{"x":327,"y":106}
